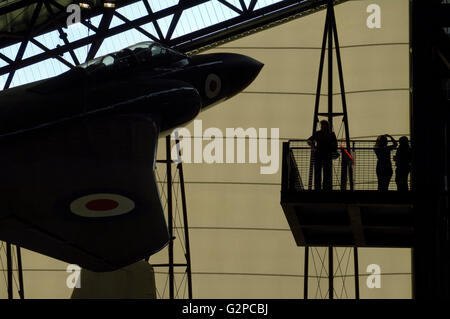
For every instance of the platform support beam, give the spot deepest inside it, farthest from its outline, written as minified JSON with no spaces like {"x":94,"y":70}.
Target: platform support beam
{"x":20,"y":273}
{"x":330,"y":273}
{"x":9,"y":271}
{"x":306,"y":273}
{"x":170,"y":216}
{"x":186,"y":226}
{"x":356,"y":270}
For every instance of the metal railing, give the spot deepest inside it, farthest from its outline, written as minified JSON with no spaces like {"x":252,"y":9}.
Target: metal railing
{"x":356,"y":166}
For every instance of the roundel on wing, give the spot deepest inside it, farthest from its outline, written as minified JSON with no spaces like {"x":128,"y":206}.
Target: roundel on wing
{"x":213,"y":84}
{"x":101,"y":205}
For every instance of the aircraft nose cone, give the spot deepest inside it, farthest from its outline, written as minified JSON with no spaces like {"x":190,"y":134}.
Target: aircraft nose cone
{"x":245,"y":70}
{"x":227,"y":74}
{"x":251,"y":65}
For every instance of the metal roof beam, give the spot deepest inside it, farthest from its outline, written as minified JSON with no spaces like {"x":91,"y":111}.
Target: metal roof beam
{"x":45,"y":49}
{"x":155,"y":23}
{"x":229,"y":5}
{"x":144,"y":32}
{"x":24,"y":44}
{"x":100,"y":35}
{"x":62,"y":34}
{"x":173,"y":24}
{"x":251,"y":7}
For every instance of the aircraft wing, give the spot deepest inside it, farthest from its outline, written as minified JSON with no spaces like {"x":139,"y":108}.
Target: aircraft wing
{"x":84,"y":191}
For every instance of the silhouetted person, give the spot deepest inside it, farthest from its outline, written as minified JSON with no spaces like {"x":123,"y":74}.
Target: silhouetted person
{"x":323,"y":143}
{"x":384,"y":165}
{"x":403,"y":164}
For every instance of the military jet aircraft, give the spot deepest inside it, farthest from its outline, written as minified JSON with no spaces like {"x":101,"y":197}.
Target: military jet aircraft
{"x":78,"y":150}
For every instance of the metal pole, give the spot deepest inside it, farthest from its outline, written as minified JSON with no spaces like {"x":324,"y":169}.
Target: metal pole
{"x":170,"y":216}
{"x":330,"y":64}
{"x":355,"y":263}
{"x":186,"y":228}
{"x":19,"y":266}
{"x":318,"y":90}
{"x":330,"y":273}
{"x":319,"y":79}
{"x":306,"y":273}
{"x":344,"y":104}
{"x":9,"y":270}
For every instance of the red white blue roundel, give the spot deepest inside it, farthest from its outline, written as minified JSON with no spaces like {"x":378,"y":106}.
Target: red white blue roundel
{"x":101,"y":205}
{"x":213,"y":84}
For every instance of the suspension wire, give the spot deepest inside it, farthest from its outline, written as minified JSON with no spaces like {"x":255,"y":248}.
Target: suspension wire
{"x":174,"y":284}
{"x":163,"y":193}
{"x":343,"y":277}
{"x":339,"y":267}
{"x":315,"y":269}
{"x":184,"y":292}
{"x":322,"y":269}
{"x":346,"y":268}
{"x":177,"y":216}
{"x":340,"y":130}
{"x":181,"y":284}
{"x":165,"y":285}
{"x":158,"y":295}
{"x":339,"y":260}
{"x":164,"y":197}
{"x":316,"y":272}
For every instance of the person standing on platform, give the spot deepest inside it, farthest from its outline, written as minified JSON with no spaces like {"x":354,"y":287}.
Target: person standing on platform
{"x":403,"y":164}
{"x":323,"y":143}
{"x":384,"y":165}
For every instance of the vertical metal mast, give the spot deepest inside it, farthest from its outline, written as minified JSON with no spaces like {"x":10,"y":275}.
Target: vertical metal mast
{"x":171,"y":221}
{"x":170,"y":217}
{"x":330,"y":33}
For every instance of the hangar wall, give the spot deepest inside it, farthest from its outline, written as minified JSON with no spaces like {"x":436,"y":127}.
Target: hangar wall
{"x":241,"y":245}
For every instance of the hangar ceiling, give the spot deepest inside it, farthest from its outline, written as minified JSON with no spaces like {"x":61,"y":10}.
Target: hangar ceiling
{"x":187,"y":25}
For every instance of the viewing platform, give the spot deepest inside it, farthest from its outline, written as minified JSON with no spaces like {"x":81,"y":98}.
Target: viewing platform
{"x":362,"y":217}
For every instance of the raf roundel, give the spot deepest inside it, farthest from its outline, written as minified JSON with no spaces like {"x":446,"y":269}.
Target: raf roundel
{"x":101,"y":205}
{"x":213,"y":84}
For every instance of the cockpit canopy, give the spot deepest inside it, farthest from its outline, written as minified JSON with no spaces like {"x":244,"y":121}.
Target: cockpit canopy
{"x":144,"y":52}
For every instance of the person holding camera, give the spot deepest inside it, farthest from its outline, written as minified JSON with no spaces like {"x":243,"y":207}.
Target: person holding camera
{"x":384,"y":165}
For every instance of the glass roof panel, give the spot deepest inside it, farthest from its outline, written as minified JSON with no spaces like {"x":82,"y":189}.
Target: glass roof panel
{"x":158,"y":5}
{"x":133,"y":11}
